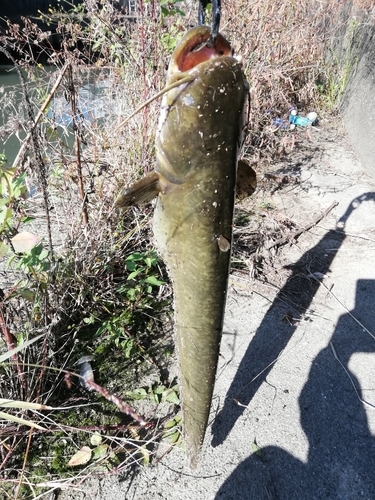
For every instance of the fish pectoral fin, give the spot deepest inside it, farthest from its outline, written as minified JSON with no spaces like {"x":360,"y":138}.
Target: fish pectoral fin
{"x":140,"y":192}
{"x":246,"y":179}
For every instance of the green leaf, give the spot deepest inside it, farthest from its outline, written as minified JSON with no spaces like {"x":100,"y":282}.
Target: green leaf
{"x":131,"y":266}
{"x":27,"y":294}
{"x":258,"y":452}
{"x":100,"y":452}
{"x":176,"y":437}
{"x":146,"y":455}
{"x":135,"y":273}
{"x":19,"y":338}
{"x":101,"y":329}
{"x":27,"y":219}
{"x":153,"y":280}
{"x":172,"y":398}
{"x":89,"y":321}
{"x":170,"y":424}
{"x":136,"y":256}
{"x":140,"y":393}
{"x":159,"y":390}
{"x":5,"y":215}
{"x":128,"y":346}
{"x":43,"y":254}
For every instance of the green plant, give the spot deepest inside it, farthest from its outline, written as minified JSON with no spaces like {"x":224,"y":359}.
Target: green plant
{"x":173,"y":431}
{"x":143,"y":276}
{"x":12,"y":192}
{"x":143,"y":266}
{"x":157,"y":394}
{"x":170,"y":39}
{"x":171,"y":8}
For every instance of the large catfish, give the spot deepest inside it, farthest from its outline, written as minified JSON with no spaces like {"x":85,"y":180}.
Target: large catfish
{"x":197,"y":147}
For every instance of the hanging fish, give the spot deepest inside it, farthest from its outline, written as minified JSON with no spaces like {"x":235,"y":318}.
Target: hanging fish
{"x":198,"y":142}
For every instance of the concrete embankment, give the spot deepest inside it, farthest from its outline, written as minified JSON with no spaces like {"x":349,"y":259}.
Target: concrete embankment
{"x":355,"y":49}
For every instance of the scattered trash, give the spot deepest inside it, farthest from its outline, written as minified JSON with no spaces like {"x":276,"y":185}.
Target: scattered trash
{"x":294,"y":120}
{"x":86,"y":372}
{"x":280,"y":123}
{"x":301,"y":121}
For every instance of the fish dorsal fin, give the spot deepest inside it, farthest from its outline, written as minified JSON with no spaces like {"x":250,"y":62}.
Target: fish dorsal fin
{"x":246,"y":179}
{"x":140,"y":192}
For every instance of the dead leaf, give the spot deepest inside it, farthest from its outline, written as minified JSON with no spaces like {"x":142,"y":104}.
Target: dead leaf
{"x":81,"y":457}
{"x":25,"y":241}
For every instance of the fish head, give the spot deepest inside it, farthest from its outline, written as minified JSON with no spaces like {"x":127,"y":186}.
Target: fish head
{"x":205,"y":116}
{"x":195,"y":48}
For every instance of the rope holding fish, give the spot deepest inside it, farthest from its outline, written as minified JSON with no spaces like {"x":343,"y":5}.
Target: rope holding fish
{"x":216,"y":13}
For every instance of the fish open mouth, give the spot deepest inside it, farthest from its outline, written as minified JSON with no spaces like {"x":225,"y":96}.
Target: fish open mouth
{"x":199,"y":48}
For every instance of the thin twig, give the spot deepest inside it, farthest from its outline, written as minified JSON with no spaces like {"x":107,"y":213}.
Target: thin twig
{"x":294,"y":234}
{"x":73,"y":102}
{"x":345,"y":308}
{"x":351,"y":380}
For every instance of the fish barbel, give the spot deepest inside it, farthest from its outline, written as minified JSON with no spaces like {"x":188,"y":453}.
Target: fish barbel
{"x":198,"y":142}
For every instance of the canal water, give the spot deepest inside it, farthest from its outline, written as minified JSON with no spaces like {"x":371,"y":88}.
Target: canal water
{"x":10,"y":98}
{"x":94,"y":103}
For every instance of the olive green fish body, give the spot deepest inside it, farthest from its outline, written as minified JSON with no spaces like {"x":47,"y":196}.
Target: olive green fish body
{"x":200,"y":133}
{"x":197,"y":146}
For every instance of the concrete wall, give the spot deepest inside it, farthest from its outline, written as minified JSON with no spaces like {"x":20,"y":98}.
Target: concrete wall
{"x":356,"y":50}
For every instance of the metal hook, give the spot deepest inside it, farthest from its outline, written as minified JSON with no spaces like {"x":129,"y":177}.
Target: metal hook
{"x":201,"y":10}
{"x":216,"y":12}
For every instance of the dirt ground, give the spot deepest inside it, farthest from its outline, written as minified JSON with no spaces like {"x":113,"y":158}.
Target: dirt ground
{"x":293,"y":416}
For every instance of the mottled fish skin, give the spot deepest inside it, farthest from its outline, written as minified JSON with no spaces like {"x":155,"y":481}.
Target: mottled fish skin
{"x":197,"y":148}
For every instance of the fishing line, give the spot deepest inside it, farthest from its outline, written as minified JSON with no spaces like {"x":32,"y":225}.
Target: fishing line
{"x":216,"y":14}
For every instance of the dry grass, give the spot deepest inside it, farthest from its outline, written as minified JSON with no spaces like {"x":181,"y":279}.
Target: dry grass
{"x":283,"y":45}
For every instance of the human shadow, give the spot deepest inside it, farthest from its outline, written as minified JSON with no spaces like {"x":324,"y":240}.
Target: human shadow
{"x":341,"y":459}
{"x":273,"y":334}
